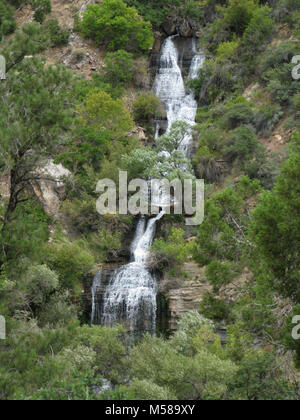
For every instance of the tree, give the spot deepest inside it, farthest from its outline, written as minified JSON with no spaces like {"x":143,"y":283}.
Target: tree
{"x":7,"y":19}
{"x":104,"y":124}
{"x":146,"y":107}
{"x":118,"y":69}
{"x":238,"y":14}
{"x":243,"y":145}
{"x":41,"y":9}
{"x":227,"y":219}
{"x":70,"y":261}
{"x":275,"y":228}
{"x":167,"y":161}
{"x":259,"y":29}
{"x":117,"y":26}
{"x":34,"y":114}
{"x":31,"y":39}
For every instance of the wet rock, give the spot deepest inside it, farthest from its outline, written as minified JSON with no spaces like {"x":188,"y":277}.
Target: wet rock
{"x":170,"y":25}
{"x":185,"y":29}
{"x":158,"y":39}
{"x":177,"y":25}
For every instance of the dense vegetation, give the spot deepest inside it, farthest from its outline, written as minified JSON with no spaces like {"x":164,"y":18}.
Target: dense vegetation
{"x":249,"y":241}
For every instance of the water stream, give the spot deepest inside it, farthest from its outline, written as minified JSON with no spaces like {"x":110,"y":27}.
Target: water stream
{"x":130,"y":296}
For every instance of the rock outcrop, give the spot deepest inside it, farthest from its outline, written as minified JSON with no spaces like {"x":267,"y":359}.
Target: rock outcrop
{"x":184,"y":292}
{"x":179,"y":25}
{"x":50,"y":188}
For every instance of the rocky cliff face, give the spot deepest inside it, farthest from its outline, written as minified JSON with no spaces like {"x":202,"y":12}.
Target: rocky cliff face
{"x":184,"y":292}
{"x":183,"y":26}
{"x":50,"y":188}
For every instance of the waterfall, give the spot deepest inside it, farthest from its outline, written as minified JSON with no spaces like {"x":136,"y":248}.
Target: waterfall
{"x":130,"y":296}
{"x":179,"y":102}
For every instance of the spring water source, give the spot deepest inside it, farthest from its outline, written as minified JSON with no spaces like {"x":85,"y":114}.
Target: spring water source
{"x":131,"y":293}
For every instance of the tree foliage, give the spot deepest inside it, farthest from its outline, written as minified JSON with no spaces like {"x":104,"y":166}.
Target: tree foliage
{"x":117,"y":26}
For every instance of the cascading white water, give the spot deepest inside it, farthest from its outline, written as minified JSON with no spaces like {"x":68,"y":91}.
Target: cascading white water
{"x":130,"y":296}
{"x":179,"y":102}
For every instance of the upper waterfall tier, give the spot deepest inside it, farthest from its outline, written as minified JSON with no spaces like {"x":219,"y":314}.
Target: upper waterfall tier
{"x":180,"y":103}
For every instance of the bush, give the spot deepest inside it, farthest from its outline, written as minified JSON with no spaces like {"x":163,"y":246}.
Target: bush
{"x":118,"y":69}
{"x":58,"y":312}
{"x":238,"y":14}
{"x":266,"y":118}
{"x":275,"y":68}
{"x":296,"y":102}
{"x":41,"y":9}
{"x":219,"y":274}
{"x":215,"y":309}
{"x":188,"y":327}
{"x":7,"y":19}
{"x":147,"y":107}
{"x":173,"y":252}
{"x":58,"y":35}
{"x":238,"y":114}
{"x":259,"y":30}
{"x":242,"y":145}
{"x":117,"y":26}
{"x":39,"y":283}
{"x":147,"y":390}
{"x":70,"y":261}
{"x":286,"y":11}
{"x":227,"y":50}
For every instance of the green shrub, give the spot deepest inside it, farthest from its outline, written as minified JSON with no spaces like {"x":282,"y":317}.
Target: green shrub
{"x":39,"y":283}
{"x":71,"y":262}
{"x":58,"y":35}
{"x":7,"y":19}
{"x":147,"y":390}
{"x":238,"y":14}
{"x":242,"y":145}
{"x":219,"y":274}
{"x":117,"y":26}
{"x":296,"y":102}
{"x":41,"y":9}
{"x":266,"y":118}
{"x":215,"y":309}
{"x":146,"y":107}
{"x":173,"y":252}
{"x":58,"y":312}
{"x":238,"y":114}
{"x":266,"y":170}
{"x":286,"y":11}
{"x":275,"y":69}
{"x":215,"y":82}
{"x":227,"y":50}
{"x":118,"y":70}
{"x":259,"y":30}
